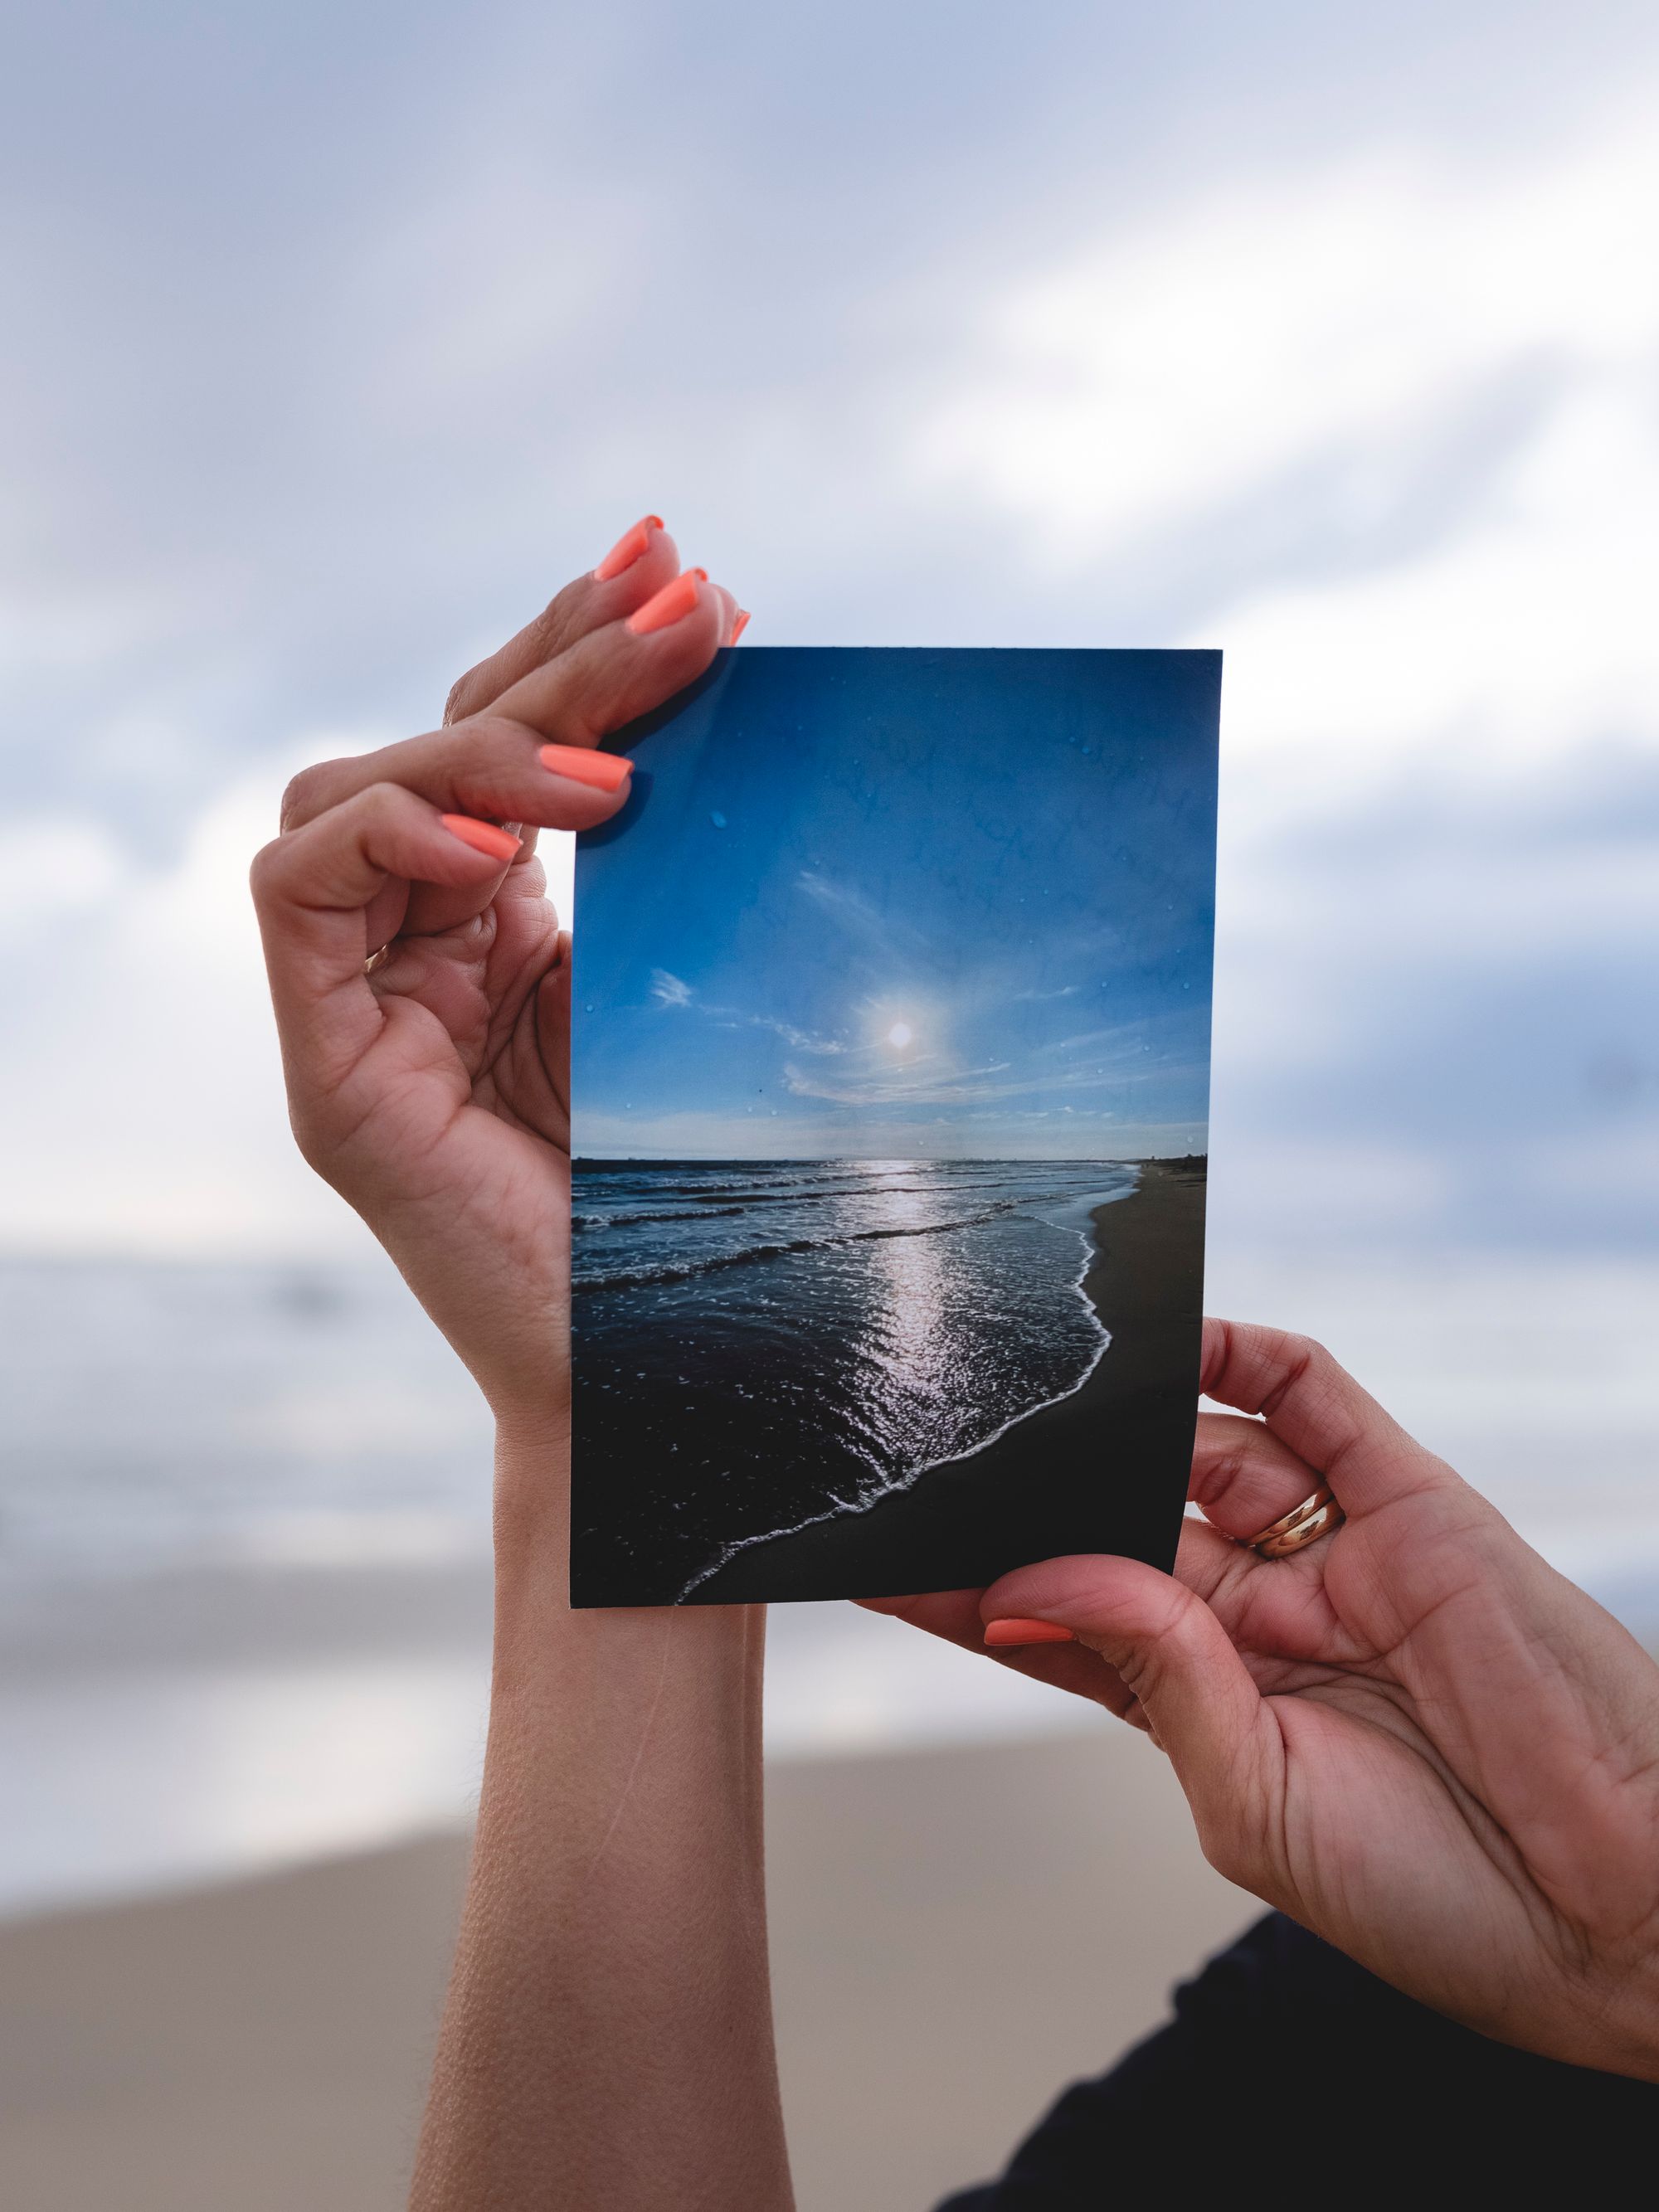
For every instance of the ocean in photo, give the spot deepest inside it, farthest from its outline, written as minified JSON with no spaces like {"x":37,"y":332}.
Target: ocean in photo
{"x":763,"y":1344}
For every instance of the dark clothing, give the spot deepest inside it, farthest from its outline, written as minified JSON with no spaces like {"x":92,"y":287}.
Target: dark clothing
{"x":1289,"y":2066}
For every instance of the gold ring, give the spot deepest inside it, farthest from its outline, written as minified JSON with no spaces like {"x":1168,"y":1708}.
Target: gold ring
{"x":1314,"y":1517}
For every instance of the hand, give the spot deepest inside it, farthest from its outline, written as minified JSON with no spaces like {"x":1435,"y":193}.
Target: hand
{"x":1414,"y":1737}
{"x":431,"y":1091}
{"x":608,"y":2031}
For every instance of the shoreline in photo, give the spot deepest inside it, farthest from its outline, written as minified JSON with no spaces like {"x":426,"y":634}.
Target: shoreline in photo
{"x":1120,"y":1430}
{"x":1089,"y":1239}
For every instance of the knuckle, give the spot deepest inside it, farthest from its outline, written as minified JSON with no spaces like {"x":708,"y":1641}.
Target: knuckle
{"x":264,"y":867}
{"x":553,"y":628}
{"x":501,"y":732}
{"x":1220,"y":1473}
{"x":378,"y":804}
{"x":1295,"y":1358}
{"x":494,"y":770}
{"x":302,"y":796}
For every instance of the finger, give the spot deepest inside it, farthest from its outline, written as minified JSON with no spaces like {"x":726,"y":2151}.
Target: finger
{"x":1276,"y":1611}
{"x":955,"y":1617}
{"x":1244,"y":1477}
{"x":614,"y":675}
{"x":1175,"y":1657}
{"x":492,"y":768}
{"x":488,"y":769}
{"x":1319,"y":1411}
{"x":643,"y":559}
{"x":553,"y":1042}
{"x":313,"y":888}
{"x":493,"y":765}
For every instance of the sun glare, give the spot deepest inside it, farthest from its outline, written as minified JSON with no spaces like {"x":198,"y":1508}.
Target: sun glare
{"x":900,"y":1034}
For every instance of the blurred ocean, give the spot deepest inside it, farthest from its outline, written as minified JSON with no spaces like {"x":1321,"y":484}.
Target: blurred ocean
{"x":244,"y":1530}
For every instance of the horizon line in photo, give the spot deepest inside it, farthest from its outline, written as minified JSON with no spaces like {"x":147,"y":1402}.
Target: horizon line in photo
{"x":654,"y":1158}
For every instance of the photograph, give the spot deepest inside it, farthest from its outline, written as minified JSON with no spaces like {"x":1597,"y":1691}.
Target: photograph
{"x":889,"y":1098}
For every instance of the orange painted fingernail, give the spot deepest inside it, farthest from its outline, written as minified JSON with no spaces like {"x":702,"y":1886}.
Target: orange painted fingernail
{"x":740,"y":626}
{"x":581,"y":764}
{"x":627,"y":549}
{"x":1026,"y":1631}
{"x":671,"y":605}
{"x":482,"y":836}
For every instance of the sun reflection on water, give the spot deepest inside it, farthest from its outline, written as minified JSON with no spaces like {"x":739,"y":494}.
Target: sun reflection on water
{"x":912,"y":1350}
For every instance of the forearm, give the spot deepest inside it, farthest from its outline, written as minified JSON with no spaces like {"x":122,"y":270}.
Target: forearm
{"x":608,"y":2036}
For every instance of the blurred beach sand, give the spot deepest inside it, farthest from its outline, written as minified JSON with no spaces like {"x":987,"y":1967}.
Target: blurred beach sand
{"x":956,"y":1935}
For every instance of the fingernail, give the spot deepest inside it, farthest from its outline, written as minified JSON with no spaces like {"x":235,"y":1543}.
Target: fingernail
{"x":740,"y":626}
{"x":671,"y":605}
{"x":627,"y":549}
{"x":1027,"y":1632}
{"x":482,"y":836}
{"x":581,"y":764}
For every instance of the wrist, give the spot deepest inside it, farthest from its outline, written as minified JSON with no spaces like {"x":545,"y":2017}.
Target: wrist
{"x":537,"y":1627}
{"x":532,"y":1484}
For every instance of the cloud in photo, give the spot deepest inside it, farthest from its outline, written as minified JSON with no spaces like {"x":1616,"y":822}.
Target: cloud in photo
{"x":669,"y":990}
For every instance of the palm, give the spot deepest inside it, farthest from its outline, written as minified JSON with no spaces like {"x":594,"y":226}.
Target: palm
{"x":1367,"y":1790}
{"x":456,"y":1116}
{"x":477,"y":1020}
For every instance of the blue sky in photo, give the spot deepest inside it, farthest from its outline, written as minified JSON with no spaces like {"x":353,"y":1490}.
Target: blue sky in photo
{"x":906,"y":904}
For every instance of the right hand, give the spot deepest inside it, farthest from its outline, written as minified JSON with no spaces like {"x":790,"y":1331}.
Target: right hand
{"x":430,"y":1089}
{"x":1415,"y":1736}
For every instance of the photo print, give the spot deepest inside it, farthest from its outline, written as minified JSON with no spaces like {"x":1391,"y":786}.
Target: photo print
{"x":890,"y":1099}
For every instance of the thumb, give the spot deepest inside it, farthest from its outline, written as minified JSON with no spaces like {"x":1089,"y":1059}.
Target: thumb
{"x":1177,"y":1660}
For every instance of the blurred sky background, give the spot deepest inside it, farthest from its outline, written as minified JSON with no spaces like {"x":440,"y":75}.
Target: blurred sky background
{"x":1328,"y":335}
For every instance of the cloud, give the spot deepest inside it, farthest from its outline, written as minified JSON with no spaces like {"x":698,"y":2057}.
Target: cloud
{"x":157,"y":1120}
{"x":1393,"y":425}
{"x":1131,"y":1034}
{"x":801,"y":1040}
{"x":668,"y":990}
{"x":1162,"y":375}
{"x":50,"y":869}
{"x":877,"y":928}
{"x":903,"y":1088}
